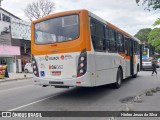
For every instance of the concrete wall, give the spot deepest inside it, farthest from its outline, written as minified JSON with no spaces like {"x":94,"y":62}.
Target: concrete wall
{"x":4,"y":24}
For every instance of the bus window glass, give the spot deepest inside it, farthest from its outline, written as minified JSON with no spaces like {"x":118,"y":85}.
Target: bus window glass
{"x":127,"y":46}
{"x":120,"y":42}
{"x":100,"y":30}
{"x":110,"y":36}
{"x":93,"y":28}
{"x":69,"y":21}
{"x":60,"y":29}
{"x":97,"y":35}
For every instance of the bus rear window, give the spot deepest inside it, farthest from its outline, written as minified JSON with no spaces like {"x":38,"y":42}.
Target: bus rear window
{"x":60,"y":29}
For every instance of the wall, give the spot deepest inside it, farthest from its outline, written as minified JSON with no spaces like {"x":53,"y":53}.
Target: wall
{"x":20,"y":29}
{"x":4,"y":24}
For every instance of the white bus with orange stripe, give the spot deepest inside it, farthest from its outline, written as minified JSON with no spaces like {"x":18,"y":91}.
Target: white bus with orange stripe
{"x":77,"y":48}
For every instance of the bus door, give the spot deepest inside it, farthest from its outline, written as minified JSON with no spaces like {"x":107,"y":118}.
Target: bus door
{"x":131,"y":58}
{"x":141,"y":47}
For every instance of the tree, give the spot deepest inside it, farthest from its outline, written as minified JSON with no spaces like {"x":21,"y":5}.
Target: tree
{"x":142,"y":35}
{"x":39,"y":9}
{"x":157,"y":22}
{"x":154,"y":38}
{"x":150,"y":4}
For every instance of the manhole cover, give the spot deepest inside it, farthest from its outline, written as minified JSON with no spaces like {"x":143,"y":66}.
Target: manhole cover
{"x":127,"y":99}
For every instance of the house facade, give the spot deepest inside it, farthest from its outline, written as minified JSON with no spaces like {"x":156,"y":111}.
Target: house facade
{"x":14,"y":41}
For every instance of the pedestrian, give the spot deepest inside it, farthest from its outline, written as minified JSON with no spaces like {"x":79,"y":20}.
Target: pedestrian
{"x":6,"y":75}
{"x":154,"y":65}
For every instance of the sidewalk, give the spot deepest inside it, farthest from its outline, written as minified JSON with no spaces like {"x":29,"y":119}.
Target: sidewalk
{"x":17,"y":76}
{"x":148,"y":98}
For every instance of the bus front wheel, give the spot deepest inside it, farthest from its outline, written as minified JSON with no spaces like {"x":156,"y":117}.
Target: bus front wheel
{"x":118,"y":82}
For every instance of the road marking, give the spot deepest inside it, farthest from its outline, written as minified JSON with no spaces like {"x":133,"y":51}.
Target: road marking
{"x":15,"y":88}
{"x":33,"y":103}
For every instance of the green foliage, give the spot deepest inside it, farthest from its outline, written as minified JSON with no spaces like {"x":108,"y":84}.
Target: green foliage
{"x":154,"y":38}
{"x":149,"y":4}
{"x":157,"y":22}
{"x":142,"y":34}
{"x":154,"y":35}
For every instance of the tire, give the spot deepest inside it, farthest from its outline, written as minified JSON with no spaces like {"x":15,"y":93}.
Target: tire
{"x":26,"y":71}
{"x":135,"y":75}
{"x":118,"y":82}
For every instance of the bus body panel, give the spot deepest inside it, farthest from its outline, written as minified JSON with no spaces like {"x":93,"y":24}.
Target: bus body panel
{"x":128,"y":73}
{"x":58,"y":66}
{"x":107,"y":65}
{"x":66,"y":67}
{"x":83,"y":81}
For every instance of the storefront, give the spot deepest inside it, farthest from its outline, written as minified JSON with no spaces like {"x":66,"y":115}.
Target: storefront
{"x":8,"y":56}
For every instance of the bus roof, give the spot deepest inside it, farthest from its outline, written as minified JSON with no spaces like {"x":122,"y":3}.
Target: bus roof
{"x":114,"y":27}
{"x":92,"y":15}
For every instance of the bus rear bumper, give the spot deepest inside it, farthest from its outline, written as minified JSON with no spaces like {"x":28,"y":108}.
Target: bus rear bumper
{"x":83,"y":81}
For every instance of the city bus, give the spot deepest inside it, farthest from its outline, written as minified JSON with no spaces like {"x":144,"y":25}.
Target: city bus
{"x":79,"y":49}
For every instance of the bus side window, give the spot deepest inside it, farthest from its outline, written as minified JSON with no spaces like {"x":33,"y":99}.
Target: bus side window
{"x":138,"y":48}
{"x":97,"y":35}
{"x":135,"y":47}
{"x":127,"y":47}
{"x":111,"y":41}
{"x":120,"y":42}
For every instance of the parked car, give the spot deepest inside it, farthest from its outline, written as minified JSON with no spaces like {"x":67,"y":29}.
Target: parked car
{"x":147,"y":64}
{"x":158,"y":60}
{"x":28,"y":68}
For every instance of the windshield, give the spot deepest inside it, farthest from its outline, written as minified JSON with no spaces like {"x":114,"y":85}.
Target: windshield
{"x":56,"y":30}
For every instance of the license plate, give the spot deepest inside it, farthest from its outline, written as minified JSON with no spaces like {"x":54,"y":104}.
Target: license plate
{"x":55,"y":73}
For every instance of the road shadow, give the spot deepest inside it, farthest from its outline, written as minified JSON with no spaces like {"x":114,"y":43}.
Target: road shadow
{"x":85,"y":92}
{"x":89,"y":92}
{"x":80,"y":98}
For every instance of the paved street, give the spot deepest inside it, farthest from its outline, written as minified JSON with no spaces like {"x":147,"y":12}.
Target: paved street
{"x":24,"y":96}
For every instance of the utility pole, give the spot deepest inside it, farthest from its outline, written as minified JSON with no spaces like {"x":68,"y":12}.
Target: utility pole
{"x":0,"y":2}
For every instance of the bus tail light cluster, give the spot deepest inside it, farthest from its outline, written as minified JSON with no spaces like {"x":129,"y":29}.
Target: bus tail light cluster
{"x":35,"y":68}
{"x":82,"y":63}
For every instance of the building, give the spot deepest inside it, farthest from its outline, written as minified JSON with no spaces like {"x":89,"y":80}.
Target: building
{"x":14,"y":41}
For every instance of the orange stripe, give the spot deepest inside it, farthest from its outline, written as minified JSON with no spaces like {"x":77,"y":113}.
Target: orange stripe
{"x":128,"y":57}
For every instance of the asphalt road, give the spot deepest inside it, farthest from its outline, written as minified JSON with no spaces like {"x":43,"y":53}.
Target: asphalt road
{"x":25,"y":96}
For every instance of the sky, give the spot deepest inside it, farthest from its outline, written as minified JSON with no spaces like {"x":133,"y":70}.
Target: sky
{"x":125,"y":14}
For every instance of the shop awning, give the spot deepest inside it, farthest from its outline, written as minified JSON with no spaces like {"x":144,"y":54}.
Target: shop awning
{"x":9,"y":50}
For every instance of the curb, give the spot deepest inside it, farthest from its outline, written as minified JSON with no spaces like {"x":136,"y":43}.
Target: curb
{"x":1,"y":81}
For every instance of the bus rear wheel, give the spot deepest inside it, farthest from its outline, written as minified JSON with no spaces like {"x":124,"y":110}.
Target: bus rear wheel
{"x":118,"y":82}
{"x":135,"y":75}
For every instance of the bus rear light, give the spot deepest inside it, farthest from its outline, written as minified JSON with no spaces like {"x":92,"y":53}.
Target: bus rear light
{"x":78,"y":82}
{"x":35,"y":68}
{"x":35,"y":72}
{"x":82,"y":58}
{"x":82,"y":63}
{"x":79,"y":75}
{"x":81,"y":71}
